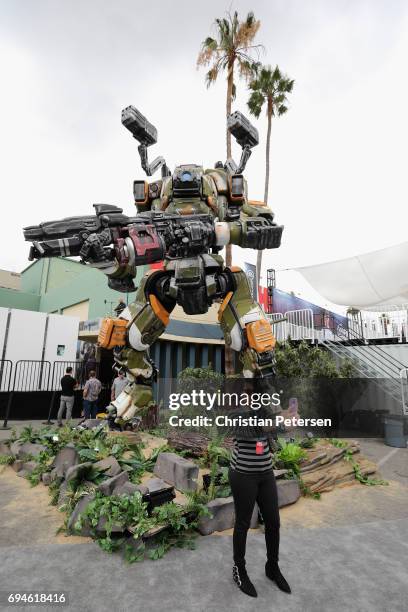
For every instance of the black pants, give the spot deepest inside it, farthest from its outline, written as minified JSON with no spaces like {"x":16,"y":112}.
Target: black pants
{"x":246,"y":490}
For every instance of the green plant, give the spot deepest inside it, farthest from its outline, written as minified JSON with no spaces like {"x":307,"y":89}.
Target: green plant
{"x":7,"y":459}
{"x":119,"y":510}
{"x":290,"y":455}
{"x":365,"y":480}
{"x":133,"y":555}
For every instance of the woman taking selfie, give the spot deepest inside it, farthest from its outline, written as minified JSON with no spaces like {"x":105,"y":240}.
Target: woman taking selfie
{"x":252,"y":480}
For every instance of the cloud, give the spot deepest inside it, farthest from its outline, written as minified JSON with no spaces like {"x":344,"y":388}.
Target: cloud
{"x":337,"y":176}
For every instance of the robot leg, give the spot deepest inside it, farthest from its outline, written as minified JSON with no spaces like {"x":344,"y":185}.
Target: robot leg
{"x":144,"y":320}
{"x":246,"y":328}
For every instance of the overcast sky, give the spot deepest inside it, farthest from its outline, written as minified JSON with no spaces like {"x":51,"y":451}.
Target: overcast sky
{"x":338,"y":161}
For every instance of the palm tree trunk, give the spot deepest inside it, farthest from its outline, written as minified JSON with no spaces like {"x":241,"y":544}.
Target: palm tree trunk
{"x":266,"y":191}
{"x":230,"y":83}
{"x":229,"y":355}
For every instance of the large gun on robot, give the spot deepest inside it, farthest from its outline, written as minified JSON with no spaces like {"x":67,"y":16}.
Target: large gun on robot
{"x":112,"y":236}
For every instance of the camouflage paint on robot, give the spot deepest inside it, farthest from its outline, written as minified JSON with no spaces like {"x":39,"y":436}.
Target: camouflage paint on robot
{"x":192,"y":280}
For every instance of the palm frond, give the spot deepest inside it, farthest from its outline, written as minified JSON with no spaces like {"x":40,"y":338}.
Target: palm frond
{"x":255,"y":102}
{"x":211,"y":76}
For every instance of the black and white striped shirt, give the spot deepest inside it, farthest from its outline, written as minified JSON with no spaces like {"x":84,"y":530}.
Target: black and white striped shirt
{"x":245,"y":459}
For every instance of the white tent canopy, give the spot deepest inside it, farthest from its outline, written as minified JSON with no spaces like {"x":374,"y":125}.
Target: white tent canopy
{"x":373,"y":281}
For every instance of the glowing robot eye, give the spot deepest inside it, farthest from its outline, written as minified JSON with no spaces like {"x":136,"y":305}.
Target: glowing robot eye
{"x":186,"y":176}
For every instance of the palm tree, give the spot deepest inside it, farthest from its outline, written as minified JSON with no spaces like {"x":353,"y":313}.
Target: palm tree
{"x":270,"y":87}
{"x":231,"y":48}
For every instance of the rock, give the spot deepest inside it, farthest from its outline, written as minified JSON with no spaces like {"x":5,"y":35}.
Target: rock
{"x":78,"y":471}
{"x":63,"y":498}
{"x":21,"y":450}
{"x":22,"y":474}
{"x":156,"y":484}
{"x":79,"y":509}
{"x":17,"y":465}
{"x":255,"y":517}
{"x":280,"y":473}
{"x":177,"y":471}
{"x":46,"y":478}
{"x":15,"y":448}
{"x":288,"y":492}
{"x":65,"y":459}
{"x":92,"y":423}
{"x":109,"y":485}
{"x":128,"y":488}
{"x":29,"y":466}
{"x":222,"y":516}
{"x":5,"y":449}
{"x":114,"y":528}
{"x":110,"y":466}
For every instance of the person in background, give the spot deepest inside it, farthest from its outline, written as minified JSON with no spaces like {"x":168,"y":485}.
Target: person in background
{"x":118,"y":385}
{"x":68,"y":384}
{"x":91,"y":393}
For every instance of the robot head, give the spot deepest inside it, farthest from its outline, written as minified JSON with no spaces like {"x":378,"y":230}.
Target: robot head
{"x":187,"y":181}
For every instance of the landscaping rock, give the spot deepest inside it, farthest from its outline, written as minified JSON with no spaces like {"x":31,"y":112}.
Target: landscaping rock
{"x":92,"y":423}
{"x":15,"y":448}
{"x":46,"y":478}
{"x":5,"y":449}
{"x":280,"y":473}
{"x":254,"y":518}
{"x":79,"y":508}
{"x":109,"y":485}
{"x":21,"y":450}
{"x":63,"y":498}
{"x":114,"y":528}
{"x":156,"y":484}
{"x":288,"y":492}
{"x":110,"y":466}
{"x":77,"y":471}
{"x":65,"y":459}
{"x":223,"y":516}
{"x":22,"y":473}
{"x":17,"y":465}
{"x":128,"y":488}
{"x":29,"y":466}
{"x":177,"y":471}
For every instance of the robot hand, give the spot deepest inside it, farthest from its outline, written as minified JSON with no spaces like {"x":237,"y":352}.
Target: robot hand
{"x":93,"y":249}
{"x":260,"y":233}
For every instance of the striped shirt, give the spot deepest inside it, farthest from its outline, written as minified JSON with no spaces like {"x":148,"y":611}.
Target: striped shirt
{"x":245,"y":459}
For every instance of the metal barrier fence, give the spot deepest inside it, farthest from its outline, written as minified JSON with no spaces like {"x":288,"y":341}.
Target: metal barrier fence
{"x":30,"y":375}
{"x":404,"y":390}
{"x":80,"y":371}
{"x":293,"y":324}
{"x":300,"y":324}
{"x":6,"y":370}
{"x":278,"y":322}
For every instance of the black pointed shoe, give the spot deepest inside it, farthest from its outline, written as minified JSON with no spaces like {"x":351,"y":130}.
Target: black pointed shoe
{"x":273,"y":572}
{"x":241,"y":579}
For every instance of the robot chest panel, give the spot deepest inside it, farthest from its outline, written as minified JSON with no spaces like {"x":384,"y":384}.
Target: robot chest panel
{"x":192,"y":207}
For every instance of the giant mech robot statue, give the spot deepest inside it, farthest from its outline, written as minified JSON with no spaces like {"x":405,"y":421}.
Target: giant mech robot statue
{"x":184,"y":219}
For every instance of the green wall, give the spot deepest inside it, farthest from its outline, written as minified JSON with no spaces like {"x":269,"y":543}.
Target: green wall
{"x":49,"y":285}
{"x":31,"y":277}
{"x":68,"y":288}
{"x":12,"y":298}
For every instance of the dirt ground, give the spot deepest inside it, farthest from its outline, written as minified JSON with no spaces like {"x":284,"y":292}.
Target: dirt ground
{"x":26,"y":516}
